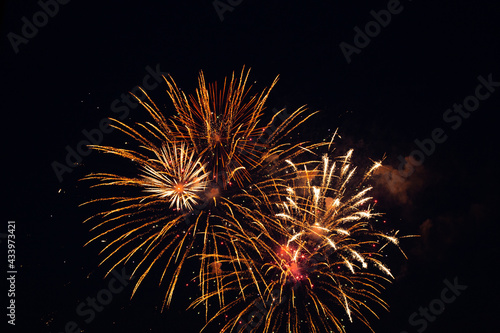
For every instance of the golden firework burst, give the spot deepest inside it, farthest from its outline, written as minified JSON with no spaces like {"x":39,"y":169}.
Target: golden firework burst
{"x":293,"y":246}
{"x":176,"y":176}
{"x":215,"y":138}
{"x":226,"y":126}
{"x":148,"y":222}
{"x":309,"y":249}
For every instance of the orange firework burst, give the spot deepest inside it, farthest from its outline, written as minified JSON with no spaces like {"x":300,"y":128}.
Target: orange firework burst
{"x":310,"y":250}
{"x":177,"y":177}
{"x":141,"y":225}
{"x":214,"y":137}
{"x":293,"y":242}
{"x":225,"y":126}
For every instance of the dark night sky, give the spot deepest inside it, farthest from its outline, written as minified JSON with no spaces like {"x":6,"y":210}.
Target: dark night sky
{"x":396,"y":90}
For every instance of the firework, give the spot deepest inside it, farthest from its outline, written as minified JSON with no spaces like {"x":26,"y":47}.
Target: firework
{"x":177,"y":177}
{"x":179,"y":164}
{"x":295,"y":240}
{"x":309,"y":253}
{"x":226,"y":126}
{"x":148,"y":221}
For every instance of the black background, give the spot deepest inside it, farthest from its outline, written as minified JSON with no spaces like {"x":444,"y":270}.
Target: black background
{"x":394,"y":91}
